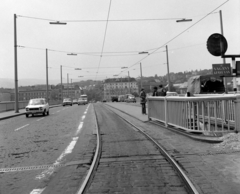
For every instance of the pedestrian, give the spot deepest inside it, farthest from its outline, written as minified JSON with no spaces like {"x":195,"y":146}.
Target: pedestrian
{"x":161,"y":91}
{"x":143,"y":101}
{"x":154,"y":91}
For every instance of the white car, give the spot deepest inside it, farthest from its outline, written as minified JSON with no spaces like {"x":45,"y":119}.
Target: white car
{"x":37,"y":106}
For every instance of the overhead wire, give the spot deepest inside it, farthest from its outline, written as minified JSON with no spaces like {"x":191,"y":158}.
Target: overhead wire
{"x":105,"y":33}
{"x":177,"y":35}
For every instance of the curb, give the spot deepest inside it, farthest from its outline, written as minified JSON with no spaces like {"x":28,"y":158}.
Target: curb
{"x":19,"y":114}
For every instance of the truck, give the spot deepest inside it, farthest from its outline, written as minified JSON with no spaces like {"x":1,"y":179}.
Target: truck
{"x":205,"y":84}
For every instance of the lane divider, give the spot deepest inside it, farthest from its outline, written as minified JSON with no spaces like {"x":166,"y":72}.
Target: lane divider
{"x":21,"y":127}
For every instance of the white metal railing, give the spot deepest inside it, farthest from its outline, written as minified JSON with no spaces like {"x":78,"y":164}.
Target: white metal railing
{"x":197,"y":114}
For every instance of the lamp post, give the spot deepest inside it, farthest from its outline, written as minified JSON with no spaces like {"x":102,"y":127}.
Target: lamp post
{"x":15,"y":64}
{"x":47,"y":74}
{"x":224,"y":60}
{"x":61,"y":84}
{"x":168,"y":76}
{"x":15,"y":60}
{"x":129,"y":83}
{"x":141,"y":74}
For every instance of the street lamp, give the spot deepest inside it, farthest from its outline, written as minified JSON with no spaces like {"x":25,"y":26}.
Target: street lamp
{"x":15,"y":60}
{"x":124,"y":67}
{"x":72,"y":54}
{"x":58,"y":23}
{"x":78,"y":69}
{"x":184,"y":20}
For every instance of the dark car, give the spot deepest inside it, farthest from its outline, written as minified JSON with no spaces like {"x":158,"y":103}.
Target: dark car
{"x":114,"y":98}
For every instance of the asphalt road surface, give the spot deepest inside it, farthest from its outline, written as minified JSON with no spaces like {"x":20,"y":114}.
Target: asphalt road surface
{"x":35,"y":142}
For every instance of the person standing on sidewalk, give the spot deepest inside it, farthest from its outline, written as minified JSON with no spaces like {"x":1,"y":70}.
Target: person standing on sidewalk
{"x":161,"y":91}
{"x":154,"y":91}
{"x":143,"y":101}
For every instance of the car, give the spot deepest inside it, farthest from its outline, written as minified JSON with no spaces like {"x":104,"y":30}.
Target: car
{"x":75,"y":101}
{"x":114,"y":98}
{"x":67,"y":101}
{"x":104,"y":100}
{"x":81,"y":101}
{"x":130,"y":98}
{"x":172,"y":94}
{"x":37,"y":106}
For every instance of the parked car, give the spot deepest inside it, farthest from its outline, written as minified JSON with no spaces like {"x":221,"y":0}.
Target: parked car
{"x":172,"y":94}
{"x":37,"y":106}
{"x":75,"y":101}
{"x":130,"y":98}
{"x":104,"y":100}
{"x":114,"y":99}
{"x":81,"y":101}
{"x":67,"y":101}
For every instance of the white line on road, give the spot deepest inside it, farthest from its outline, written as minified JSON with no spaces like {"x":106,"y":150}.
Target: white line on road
{"x":40,"y":119}
{"x":21,"y":127}
{"x":79,"y":128}
{"x":68,"y":150}
{"x":37,"y":191}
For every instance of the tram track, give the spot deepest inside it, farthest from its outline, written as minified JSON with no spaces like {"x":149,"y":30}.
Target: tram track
{"x":98,"y":158}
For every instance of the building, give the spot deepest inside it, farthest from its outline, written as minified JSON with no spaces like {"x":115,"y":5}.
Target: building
{"x":119,"y":86}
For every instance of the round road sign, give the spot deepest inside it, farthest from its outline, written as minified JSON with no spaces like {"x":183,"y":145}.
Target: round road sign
{"x":217,"y":44}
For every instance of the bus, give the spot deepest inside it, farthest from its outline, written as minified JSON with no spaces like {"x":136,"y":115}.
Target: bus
{"x":83,"y":98}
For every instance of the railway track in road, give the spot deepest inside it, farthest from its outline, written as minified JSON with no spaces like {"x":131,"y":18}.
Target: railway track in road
{"x":131,"y":161}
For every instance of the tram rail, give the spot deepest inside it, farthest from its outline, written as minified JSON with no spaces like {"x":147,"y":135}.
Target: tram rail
{"x":97,"y":156}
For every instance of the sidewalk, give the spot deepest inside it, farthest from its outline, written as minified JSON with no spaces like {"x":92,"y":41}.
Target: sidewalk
{"x":133,"y":109}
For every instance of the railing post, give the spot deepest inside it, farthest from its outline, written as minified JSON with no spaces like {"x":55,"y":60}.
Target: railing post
{"x":237,"y":113}
{"x":166,"y":111}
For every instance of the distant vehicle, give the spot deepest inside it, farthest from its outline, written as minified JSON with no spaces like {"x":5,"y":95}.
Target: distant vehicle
{"x":75,"y":101}
{"x":81,"y":101}
{"x":37,"y":106}
{"x":104,"y":100}
{"x":172,"y":94}
{"x":121,"y":98}
{"x":67,"y":101}
{"x":205,"y":84}
{"x":114,"y":99}
{"x":130,"y":98}
{"x":84,"y":97}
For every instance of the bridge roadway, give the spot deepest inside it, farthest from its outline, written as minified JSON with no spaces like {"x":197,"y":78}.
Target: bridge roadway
{"x":211,"y":170}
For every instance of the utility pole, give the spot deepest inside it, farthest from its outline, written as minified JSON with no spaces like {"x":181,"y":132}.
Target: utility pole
{"x":141,"y":74}
{"x":61,"y":85}
{"x":168,"y":77}
{"x":67,"y":86}
{"x":129,"y":83}
{"x":47,"y":73}
{"x":224,"y":60}
{"x":15,"y":64}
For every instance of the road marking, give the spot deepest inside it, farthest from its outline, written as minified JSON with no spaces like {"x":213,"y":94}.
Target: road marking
{"x":83,"y":117}
{"x":21,"y":127}
{"x":59,"y":111}
{"x":68,"y":150}
{"x":37,"y":191}
{"x":79,"y":128}
{"x":40,"y":119}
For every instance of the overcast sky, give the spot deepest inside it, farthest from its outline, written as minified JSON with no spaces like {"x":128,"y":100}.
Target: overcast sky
{"x":104,"y":47}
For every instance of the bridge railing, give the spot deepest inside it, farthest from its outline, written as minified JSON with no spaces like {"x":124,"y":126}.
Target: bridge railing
{"x":10,"y":105}
{"x":197,"y":114}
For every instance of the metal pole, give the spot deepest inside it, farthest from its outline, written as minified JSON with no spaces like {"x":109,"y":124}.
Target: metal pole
{"x":168,"y":69}
{"x":67,"y":86}
{"x":61,"y":85}
{"x":129,"y":83}
{"x":224,"y":60}
{"x":141,"y":74}
{"x":47,"y":72}
{"x":15,"y":64}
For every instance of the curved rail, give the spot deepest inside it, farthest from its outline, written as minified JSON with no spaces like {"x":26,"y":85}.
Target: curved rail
{"x":189,"y":185}
{"x":95,"y":161}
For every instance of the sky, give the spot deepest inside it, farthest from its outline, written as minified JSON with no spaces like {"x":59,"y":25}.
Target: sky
{"x":107,"y":35}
